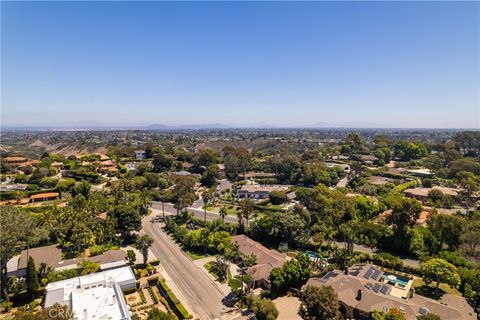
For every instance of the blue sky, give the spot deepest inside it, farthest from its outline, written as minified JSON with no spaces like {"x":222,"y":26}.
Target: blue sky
{"x":393,"y":64}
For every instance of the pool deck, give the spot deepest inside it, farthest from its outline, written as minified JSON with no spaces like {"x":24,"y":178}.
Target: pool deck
{"x":402,"y":292}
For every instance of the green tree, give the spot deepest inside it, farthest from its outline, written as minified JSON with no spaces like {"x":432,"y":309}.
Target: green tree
{"x":246,"y":208}
{"x":471,"y":234}
{"x":207,"y":157}
{"x":152,"y":180}
{"x":162,"y":162}
{"x":263,"y":308}
{"x":144,"y":243}
{"x":18,"y":229}
{"x":132,"y":257}
{"x":366,"y":208}
{"x":183,"y":194}
{"x":206,"y":197}
{"x":319,"y":303}
{"x":223,"y":212}
{"x":89,"y":267}
{"x":32,"y":278}
{"x":292,"y":274}
{"x":405,"y":212}
{"x":278,"y":197}
{"x":470,"y":183}
{"x":448,"y":229}
{"x":349,"y":233}
{"x":82,"y":187}
{"x":210,"y":175}
{"x":439,"y":270}
{"x":128,"y":218}
{"x":410,"y":150}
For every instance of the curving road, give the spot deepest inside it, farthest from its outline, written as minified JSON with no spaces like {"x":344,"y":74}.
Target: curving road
{"x":201,"y":296}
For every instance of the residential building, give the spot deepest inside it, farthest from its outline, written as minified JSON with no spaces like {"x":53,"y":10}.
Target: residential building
{"x":363,"y":289}
{"x":94,"y":296}
{"x":344,"y":166}
{"x":421,"y":194}
{"x":57,"y":165}
{"x":257,"y":175}
{"x":140,"y":154}
{"x":15,"y":160}
{"x":256,"y":191}
{"x":52,"y":257}
{"x":266,"y":259}
{"x":39,"y":197}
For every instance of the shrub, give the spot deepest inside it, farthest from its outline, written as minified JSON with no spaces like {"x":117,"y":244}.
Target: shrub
{"x":173,"y":301}
{"x":155,"y":262}
{"x":387,"y":260}
{"x":278,"y":197}
{"x":142,"y":296}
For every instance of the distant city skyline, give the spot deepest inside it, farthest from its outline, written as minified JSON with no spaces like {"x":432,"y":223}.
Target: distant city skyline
{"x":241,"y":64}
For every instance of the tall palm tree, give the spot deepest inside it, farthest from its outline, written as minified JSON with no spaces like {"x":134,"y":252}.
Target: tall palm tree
{"x":223,"y":213}
{"x":206,"y":198}
{"x":144,"y":243}
{"x":246,"y":208}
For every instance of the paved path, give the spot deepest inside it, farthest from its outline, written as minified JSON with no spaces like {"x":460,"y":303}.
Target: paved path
{"x":197,"y":291}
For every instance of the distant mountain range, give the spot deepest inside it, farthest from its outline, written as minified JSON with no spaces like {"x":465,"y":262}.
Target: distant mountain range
{"x":98,"y":125}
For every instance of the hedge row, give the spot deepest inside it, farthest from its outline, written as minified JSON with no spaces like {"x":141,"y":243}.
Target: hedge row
{"x":173,"y":301}
{"x":10,"y":195}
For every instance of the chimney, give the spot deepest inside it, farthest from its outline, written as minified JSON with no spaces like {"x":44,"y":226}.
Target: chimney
{"x":412,"y":291}
{"x":359,"y":294}
{"x":346,"y":270}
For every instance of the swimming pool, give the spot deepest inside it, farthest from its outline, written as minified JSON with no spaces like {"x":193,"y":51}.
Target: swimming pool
{"x":312,"y":255}
{"x":400,"y":280}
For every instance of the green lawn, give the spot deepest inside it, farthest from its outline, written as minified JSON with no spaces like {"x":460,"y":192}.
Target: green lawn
{"x":195,"y":255}
{"x":235,"y":283}
{"x":429,"y":290}
{"x":230,"y":211}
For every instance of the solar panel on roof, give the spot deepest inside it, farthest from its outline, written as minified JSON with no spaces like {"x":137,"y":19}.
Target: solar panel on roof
{"x":376,"y":274}
{"x":377,"y":287}
{"x":368,"y":273}
{"x":330,"y":274}
{"x":385,"y":289}
{"x":369,"y":286}
{"x":355,"y":272}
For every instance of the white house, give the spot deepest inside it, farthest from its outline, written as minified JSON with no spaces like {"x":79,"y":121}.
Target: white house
{"x":94,"y":296}
{"x":140,"y":154}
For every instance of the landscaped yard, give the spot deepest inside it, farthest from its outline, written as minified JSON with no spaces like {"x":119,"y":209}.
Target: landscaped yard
{"x":196,"y":255}
{"x":208,"y":266}
{"x":429,"y":290}
{"x":143,"y":300}
{"x":231,"y":209}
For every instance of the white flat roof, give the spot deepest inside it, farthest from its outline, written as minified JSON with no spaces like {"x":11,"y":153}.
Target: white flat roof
{"x":94,"y":296}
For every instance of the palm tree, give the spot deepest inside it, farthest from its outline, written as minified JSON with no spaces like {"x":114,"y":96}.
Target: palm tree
{"x":143,"y":243}
{"x":246,"y":208}
{"x":223,"y":213}
{"x":206,"y":198}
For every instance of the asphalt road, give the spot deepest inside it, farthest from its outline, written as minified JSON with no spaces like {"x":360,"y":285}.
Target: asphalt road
{"x":201,"y":295}
{"x":169,"y":210}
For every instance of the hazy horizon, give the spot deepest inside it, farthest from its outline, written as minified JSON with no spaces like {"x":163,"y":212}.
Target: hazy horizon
{"x":242,"y":64}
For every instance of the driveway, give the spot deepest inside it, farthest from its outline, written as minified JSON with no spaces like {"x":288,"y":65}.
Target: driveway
{"x":287,"y":308}
{"x":196,"y":291}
